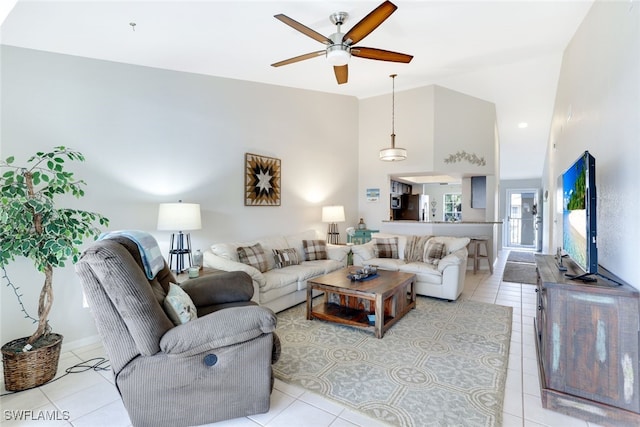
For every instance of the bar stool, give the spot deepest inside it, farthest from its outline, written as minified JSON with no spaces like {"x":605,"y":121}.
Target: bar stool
{"x":478,"y":243}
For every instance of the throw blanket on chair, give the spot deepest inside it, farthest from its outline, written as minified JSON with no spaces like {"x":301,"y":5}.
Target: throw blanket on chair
{"x":149,"y":249}
{"x":414,"y":251}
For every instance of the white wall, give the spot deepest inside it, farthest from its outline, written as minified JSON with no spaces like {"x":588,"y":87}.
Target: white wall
{"x":597,"y":108}
{"x":153,"y":136}
{"x":414,"y":132}
{"x":431,"y":123}
{"x":463,"y":123}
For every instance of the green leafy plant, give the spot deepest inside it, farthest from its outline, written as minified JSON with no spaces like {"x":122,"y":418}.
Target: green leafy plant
{"x":32,"y":226}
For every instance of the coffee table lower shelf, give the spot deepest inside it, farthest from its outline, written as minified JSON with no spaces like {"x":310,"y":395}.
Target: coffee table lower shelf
{"x":337,"y":313}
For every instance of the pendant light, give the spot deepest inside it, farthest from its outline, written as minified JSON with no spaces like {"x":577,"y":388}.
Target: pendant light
{"x":393,"y":154}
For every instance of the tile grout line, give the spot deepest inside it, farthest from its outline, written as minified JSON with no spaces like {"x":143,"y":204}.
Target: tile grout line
{"x":522,"y":356}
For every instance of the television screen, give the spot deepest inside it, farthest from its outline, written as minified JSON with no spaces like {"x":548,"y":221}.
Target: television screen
{"x":579,"y":213}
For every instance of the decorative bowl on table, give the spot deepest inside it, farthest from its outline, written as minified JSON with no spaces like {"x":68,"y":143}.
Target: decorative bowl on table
{"x":362,"y":273}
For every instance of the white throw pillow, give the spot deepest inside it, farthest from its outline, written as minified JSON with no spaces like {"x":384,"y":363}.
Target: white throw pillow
{"x":452,"y":243}
{"x":228,"y":250}
{"x":179,"y":306}
{"x":365,"y":251}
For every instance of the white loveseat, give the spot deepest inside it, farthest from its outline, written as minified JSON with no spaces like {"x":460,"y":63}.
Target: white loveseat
{"x":444,"y":279}
{"x":278,"y":288}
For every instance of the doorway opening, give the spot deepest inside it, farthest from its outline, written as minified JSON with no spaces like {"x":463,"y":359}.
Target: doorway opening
{"x":523,"y":225}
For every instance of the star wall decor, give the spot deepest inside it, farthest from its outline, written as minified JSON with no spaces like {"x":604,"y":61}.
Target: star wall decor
{"x":261,"y":181}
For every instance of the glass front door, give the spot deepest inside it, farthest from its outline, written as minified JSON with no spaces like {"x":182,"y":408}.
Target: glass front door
{"x":523,"y":219}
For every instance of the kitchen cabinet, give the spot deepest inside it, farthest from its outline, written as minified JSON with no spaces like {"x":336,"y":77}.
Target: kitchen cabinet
{"x":479,"y":192}
{"x":400,"y":188}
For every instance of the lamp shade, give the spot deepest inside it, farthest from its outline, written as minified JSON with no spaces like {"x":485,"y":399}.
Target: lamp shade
{"x":333,"y":214}
{"x":179,"y":216}
{"x":393,"y":154}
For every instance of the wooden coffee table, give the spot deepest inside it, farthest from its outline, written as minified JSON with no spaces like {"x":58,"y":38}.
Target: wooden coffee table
{"x":389,"y":297}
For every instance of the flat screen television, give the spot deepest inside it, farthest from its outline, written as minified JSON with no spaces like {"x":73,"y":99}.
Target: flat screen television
{"x":579,"y":216}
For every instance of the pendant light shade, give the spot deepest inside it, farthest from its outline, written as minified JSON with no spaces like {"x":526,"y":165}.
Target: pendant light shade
{"x":393,"y":154}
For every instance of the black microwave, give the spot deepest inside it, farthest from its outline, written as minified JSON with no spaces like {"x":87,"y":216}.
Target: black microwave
{"x":396,"y":202}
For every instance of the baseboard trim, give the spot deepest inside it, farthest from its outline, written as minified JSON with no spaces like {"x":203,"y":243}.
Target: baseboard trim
{"x":83,"y":342}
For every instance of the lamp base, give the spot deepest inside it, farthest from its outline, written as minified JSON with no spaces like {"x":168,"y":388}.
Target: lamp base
{"x":179,"y":249}
{"x":333,"y":235}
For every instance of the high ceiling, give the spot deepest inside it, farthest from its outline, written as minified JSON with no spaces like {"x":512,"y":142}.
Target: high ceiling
{"x":506,"y":52}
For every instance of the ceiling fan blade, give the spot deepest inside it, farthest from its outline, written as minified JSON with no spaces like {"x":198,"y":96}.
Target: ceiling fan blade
{"x":380,"y":54}
{"x":342,"y":73}
{"x":303,"y":29}
{"x":370,"y":22}
{"x":299,"y":58}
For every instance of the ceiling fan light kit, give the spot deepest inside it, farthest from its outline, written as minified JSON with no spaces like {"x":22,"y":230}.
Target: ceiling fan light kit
{"x":393,"y":154}
{"x":339,"y":45}
{"x":338,"y":55}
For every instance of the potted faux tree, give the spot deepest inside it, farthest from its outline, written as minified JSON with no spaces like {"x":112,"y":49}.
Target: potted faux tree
{"x":32,"y":226}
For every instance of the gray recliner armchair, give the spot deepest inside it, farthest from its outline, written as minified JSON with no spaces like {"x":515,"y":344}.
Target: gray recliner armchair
{"x":212,"y":368}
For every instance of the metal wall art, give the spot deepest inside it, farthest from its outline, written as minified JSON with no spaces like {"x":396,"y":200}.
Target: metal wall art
{"x":469,"y":157}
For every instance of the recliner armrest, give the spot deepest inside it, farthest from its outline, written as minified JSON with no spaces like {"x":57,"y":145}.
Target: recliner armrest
{"x":219,"y":288}
{"x":218,"y":329}
{"x":215,"y":261}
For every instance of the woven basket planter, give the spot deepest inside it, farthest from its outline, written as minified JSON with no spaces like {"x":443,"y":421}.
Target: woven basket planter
{"x":30,"y":369}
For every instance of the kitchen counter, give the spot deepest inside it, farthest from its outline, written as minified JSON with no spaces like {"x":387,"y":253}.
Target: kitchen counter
{"x":442,"y":228}
{"x":442,"y":222}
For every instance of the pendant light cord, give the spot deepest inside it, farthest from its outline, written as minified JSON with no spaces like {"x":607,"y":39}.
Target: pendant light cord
{"x":393,"y":110}
{"x":393,"y":154}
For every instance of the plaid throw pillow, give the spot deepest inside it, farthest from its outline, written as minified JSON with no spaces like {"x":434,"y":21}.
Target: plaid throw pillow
{"x":253,"y":256}
{"x":387,"y":247}
{"x":434,"y":252}
{"x":285,"y":257}
{"x":314,"y":249}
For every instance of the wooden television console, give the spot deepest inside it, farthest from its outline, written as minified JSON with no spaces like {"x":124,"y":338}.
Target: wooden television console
{"x":587,"y":345}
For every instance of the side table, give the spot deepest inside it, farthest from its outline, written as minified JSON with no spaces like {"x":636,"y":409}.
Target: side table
{"x":360,"y":236}
{"x":205,"y":271}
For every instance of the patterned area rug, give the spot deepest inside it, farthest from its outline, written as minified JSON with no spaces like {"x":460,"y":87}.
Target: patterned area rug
{"x":443,"y":364}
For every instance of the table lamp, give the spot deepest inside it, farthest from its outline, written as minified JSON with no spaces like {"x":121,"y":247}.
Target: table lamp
{"x":179,"y":217}
{"x":333,"y":215}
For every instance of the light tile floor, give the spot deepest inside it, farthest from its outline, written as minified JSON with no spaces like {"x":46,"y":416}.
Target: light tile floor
{"x":89,"y":399}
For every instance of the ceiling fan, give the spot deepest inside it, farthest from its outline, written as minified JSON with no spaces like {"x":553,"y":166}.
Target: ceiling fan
{"x":340,"y":46}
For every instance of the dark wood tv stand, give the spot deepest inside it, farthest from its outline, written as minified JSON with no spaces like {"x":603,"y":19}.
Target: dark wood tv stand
{"x":587,"y":345}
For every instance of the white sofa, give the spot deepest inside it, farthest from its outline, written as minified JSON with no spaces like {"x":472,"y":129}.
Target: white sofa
{"x":442,"y":280}
{"x":278,"y":288}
